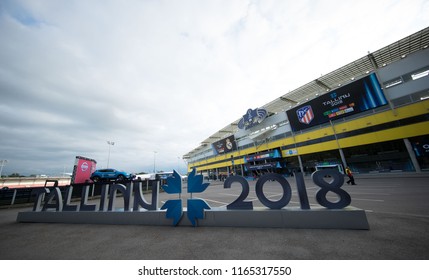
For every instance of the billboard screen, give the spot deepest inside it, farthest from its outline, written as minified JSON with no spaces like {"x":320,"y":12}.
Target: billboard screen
{"x":263,"y":156}
{"x":225,"y":145}
{"x":421,"y":146}
{"x":358,"y":96}
{"x":83,"y":168}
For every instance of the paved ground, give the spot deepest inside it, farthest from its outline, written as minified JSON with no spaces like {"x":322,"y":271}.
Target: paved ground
{"x":397,"y":211}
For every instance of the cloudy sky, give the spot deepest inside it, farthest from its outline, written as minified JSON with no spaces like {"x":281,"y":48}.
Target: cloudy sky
{"x":164,"y":75}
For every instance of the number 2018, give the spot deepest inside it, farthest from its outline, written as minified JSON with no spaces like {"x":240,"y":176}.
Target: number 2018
{"x":318,"y":177}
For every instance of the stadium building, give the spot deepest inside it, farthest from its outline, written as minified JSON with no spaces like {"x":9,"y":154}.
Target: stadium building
{"x":371,"y":115}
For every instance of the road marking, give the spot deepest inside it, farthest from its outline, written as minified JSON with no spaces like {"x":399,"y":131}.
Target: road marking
{"x":215,"y":201}
{"x":403,"y":214}
{"x":237,"y":195}
{"x":367,"y":199}
{"x":229,"y":194}
{"x":358,"y":193}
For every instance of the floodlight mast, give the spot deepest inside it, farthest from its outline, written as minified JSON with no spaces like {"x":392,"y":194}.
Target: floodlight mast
{"x":2,"y":163}
{"x":154,"y":162}
{"x":110,"y":143}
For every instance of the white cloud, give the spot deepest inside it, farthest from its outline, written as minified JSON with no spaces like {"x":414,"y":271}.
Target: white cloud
{"x":164,"y":75}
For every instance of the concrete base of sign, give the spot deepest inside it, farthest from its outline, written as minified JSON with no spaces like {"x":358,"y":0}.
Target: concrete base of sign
{"x":315,"y":218}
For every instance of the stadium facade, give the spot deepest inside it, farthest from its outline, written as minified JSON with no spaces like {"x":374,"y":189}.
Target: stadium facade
{"x":371,"y":115}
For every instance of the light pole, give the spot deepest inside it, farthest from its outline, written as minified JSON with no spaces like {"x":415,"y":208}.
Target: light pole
{"x":178,"y":165}
{"x":154,"y":161}
{"x":110,"y":143}
{"x":2,"y":163}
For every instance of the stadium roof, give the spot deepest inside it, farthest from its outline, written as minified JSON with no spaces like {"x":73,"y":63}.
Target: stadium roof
{"x":354,"y":70}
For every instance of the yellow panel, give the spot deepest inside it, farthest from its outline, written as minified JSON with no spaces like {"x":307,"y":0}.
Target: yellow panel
{"x":326,"y":131}
{"x":386,"y":135}
{"x":416,"y":109}
{"x":325,"y":146}
{"x":358,"y":140}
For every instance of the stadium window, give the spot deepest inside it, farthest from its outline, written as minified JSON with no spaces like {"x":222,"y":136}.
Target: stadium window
{"x":419,"y":75}
{"x":393,"y":82}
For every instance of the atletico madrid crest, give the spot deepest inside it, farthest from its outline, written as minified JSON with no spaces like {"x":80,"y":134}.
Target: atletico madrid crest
{"x":305,"y":114}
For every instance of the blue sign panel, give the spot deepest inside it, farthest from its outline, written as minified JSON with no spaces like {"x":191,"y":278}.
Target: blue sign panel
{"x":252,"y":118}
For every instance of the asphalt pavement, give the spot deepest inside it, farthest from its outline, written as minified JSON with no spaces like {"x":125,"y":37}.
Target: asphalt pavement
{"x":396,"y":205}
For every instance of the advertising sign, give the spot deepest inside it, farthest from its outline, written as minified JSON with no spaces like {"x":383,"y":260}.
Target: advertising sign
{"x":268,"y":165}
{"x":55,"y":206}
{"x":82,"y":170}
{"x":225,"y":145}
{"x":263,"y":156}
{"x":421,"y":148}
{"x":252,"y":118}
{"x":358,"y":96}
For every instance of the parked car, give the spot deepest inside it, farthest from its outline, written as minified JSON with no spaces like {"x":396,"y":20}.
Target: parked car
{"x":110,"y":174}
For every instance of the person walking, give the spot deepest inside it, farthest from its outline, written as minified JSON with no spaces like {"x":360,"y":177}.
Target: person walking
{"x":350,"y":175}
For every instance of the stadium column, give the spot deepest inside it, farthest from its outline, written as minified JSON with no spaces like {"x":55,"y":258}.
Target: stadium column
{"x":412,"y":155}
{"x":343,"y":158}
{"x":300,"y":164}
{"x":298,"y":155}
